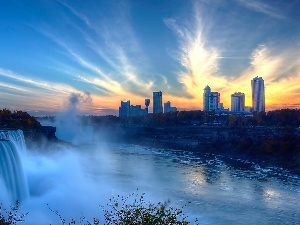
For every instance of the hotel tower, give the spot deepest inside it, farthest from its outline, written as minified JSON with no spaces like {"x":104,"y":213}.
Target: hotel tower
{"x":258,"y":94}
{"x":157,"y":102}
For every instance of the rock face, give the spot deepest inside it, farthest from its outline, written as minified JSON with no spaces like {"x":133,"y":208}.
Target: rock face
{"x":195,"y":136}
{"x":47,"y":131}
{"x":40,"y":138}
{"x":277,"y":146}
{"x":44,"y":139}
{"x":43,"y":132}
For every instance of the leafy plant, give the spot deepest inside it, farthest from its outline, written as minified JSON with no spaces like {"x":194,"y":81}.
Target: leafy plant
{"x":11,"y":216}
{"x":134,"y":210}
{"x":83,"y":220}
{"x":121,"y":212}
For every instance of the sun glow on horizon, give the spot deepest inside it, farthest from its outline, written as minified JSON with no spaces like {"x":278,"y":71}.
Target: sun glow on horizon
{"x":115,"y":52}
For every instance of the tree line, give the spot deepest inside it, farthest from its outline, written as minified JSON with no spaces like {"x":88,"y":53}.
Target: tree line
{"x":277,"y":118}
{"x":17,"y":120}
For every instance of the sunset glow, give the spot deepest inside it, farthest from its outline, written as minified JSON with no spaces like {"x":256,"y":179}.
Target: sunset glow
{"x":125,"y":50}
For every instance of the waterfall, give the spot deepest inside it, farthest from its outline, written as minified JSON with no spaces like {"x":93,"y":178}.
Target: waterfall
{"x":15,"y":136}
{"x":11,"y":170}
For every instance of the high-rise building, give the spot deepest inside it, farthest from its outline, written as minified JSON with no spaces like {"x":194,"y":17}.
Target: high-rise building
{"x":206,"y":94}
{"x":157,"y":102}
{"x":124,"y":110}
{"x":169,"y":108}
{"x":238,"y":102}
{"x":211,"y":100}
{"x":214,"y":100}
{"x":258,"y":94}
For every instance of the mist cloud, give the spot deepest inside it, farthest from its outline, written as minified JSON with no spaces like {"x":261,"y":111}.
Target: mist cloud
{"x":75,"y":99}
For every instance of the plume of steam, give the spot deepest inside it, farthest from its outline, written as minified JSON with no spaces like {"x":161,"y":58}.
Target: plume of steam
{"x":76,"y":99}
{"x":68,"y":125}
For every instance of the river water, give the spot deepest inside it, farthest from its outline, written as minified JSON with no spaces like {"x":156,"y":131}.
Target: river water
{"x":217,"y":190}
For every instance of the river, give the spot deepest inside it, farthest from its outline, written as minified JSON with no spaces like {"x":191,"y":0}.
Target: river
{"x":218,"y":190}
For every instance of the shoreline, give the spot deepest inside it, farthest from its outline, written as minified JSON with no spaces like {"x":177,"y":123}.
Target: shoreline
{"x":260,"y":145}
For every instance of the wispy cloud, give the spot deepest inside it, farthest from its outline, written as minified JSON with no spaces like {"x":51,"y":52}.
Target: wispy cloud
{"x":32,"y":94}
{"x":120,"y":51}
{"x":79,"y":15}
{"x":199,"y":60}
{"x":53,"y":87}
{"x":166,"y":83}
{"x":118,"y":74}
{"x":281,"y":72}
{"x":262,"y":7}
{"x":13,"y":87}
{"x":98,"y":49}
{"x":102,"y":80}
{"x":279,"y":66}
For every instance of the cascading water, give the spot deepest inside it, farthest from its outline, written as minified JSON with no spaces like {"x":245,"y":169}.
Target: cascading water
{"x":11,"y":170}
{"x":17,"y":137}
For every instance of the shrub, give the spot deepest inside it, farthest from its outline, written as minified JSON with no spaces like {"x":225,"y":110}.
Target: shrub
{"x":130,"y":210}
{"x":134,"y":210}
{"x":120,"y":212}
{"x":11,"y":216}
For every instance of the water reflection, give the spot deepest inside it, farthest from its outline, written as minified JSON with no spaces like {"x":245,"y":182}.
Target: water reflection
{"x":221,"y":191}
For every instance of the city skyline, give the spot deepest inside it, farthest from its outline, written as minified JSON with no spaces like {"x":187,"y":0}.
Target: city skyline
{"x":104,"y":52}
{"x":211,"y":102}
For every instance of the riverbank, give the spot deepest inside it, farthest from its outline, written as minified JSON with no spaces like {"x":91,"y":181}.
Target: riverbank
{"x":44,"y":139}
{"x":267,"y":146}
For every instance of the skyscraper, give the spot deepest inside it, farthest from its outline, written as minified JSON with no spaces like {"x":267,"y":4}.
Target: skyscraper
{"x":258,"y":94}
{"x":206,"y":94}
{"x":157,"y":102}
{"x":124,"y":110}
{"x":211,"y":100}
{"x":238,"y":102}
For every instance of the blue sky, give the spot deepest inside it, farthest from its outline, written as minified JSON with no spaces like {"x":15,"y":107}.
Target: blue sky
{"x":108,"y":51}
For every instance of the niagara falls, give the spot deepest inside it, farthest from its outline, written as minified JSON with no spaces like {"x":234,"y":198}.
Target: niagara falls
{"x":150,"y":112}
{"x":78,"y":180}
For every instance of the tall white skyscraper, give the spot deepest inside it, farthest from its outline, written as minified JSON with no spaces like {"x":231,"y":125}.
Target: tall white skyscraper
{"x":258,"y":94}
{"x":238,"y":102}
{"x":157,"y":102}
{"x":211,"y":100}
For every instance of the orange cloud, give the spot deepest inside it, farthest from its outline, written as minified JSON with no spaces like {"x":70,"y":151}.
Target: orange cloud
{"x":281,"y":73}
